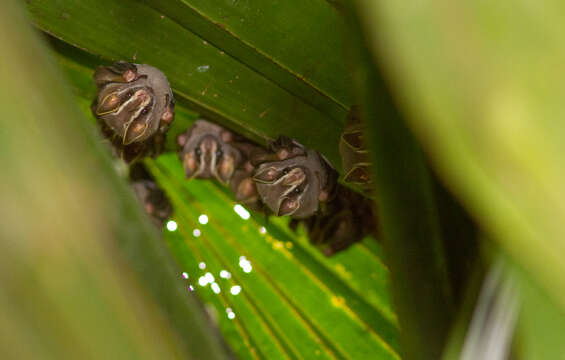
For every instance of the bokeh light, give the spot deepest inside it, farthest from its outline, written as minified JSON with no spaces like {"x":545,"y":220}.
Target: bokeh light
{"x":242,"y":212}
{"x":172,"y":225}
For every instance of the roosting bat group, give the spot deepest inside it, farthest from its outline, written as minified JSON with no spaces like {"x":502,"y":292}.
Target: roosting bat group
{"x":135,"y":107}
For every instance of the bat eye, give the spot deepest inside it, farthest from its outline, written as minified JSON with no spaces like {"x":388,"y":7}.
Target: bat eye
{"x":197,"y":151}
{"x":219,"y":153}
{"x":144,"y":111}
{"x":129,"y":94}
{"x":285,"y":171}
{"x":297,"y":191}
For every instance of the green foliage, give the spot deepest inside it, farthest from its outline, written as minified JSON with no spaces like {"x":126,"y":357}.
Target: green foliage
{"x":291,"y":302}
{"x":295,"y":303}
{"x":293,"y":298}
{"x":478,"y":84}
{"x":213,"y":81}
{"x":481,"y":95}
{"x":473,"y":85}
{"x":76,"y":282}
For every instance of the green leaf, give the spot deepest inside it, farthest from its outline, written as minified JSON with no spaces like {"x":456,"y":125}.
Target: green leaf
{"x":480,"y":84}
{"x":288,"y":49}
{"x":483,"y":98}
{"x":213,"y":82}
{"x":297,"y":296}
{"x":408,"y":211}
{"x":295,"y":303}
{"x":272,"y":321}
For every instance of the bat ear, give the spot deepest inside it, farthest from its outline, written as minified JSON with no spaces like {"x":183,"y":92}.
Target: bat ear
{"x":267,"y":175}
{"x":135,"y":130}
{"x":109,"y":104}
{"x":285,"y":147}
{"x":226,"y":169}
{"x":288,"y":207}
{"x":190,"y":164}
{"x":353,"y":139}
{"x":121,"y":72}
{"x":358,"y":175}
{"x":258,"y":157}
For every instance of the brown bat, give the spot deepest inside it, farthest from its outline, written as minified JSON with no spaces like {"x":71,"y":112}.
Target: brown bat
{"x":153,"y":200}
{"x":134,"y":103}
{"x":150,"y":196}
{"x":293,"y":180}
{"x":207,"y":151}
{"x":354,"y":155}
{"x":347,"y":219}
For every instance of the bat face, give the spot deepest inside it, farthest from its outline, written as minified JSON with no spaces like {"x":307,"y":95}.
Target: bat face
{"x":206,"y":152}
{"x":294,"y":186}
{"x":134,"y":101}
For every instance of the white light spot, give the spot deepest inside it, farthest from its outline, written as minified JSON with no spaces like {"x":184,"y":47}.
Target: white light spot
{"x":209,"y":277}
{"x":202,"y":265}
{"x":202,"y":281}
{"x":203,"y":68}
{"x":224,"y":274}
{"x":262,"y":230}
{"x":231,"y":314}
{"x":245,"y":264}
{"x":203,"y":219}
{"x":171,"y":225}
{"x":216,"y":288}
{"x":190,"y":288}
{"x":241,"y":211}
{"x":236,"y":289}
{"x":196,"y":232}
{"x":185,"y":275}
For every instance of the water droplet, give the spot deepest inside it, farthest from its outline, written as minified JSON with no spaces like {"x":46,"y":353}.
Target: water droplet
{"x":203,"y":68}
{"x":209,"y":277}
{"x":242,"y":212}
{"x":172,"y":225}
